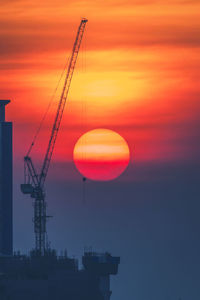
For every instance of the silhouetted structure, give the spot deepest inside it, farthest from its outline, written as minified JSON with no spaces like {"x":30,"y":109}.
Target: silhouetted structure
{"x":46,"y":277}
{"x":6,"y":246}
{"x":50,"y":277}
{"x":33,"y":181}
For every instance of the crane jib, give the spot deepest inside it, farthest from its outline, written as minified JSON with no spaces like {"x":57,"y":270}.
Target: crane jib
{"x":62,"y":102}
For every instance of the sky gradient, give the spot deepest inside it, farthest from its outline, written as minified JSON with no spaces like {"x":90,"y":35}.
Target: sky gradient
{"x":137,"y":74}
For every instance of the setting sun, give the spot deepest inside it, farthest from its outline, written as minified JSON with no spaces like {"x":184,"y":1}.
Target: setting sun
{"x":101,"y":154}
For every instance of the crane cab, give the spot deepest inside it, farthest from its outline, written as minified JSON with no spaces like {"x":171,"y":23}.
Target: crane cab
{"x":26,"y":188}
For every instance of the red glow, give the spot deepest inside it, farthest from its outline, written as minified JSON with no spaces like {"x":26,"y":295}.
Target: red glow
{"x":101,"y":170}
{"x":101,"y":154}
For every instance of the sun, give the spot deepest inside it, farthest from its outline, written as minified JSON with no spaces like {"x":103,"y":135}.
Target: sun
{"x":101,"y":154}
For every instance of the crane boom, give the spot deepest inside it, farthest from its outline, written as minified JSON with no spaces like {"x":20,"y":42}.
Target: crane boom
{"x":62,"y":102}
{"x":31,"y":171}
{"x":34,"y":183}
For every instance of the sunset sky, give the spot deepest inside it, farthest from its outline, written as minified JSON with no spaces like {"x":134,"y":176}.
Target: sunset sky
{"x":137,"y":74}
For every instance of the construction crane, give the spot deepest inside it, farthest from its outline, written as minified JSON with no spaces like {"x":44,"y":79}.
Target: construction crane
{"x":34,"y":182}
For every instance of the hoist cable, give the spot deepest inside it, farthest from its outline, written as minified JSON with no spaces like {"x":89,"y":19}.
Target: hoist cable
{"x":47,"y":110}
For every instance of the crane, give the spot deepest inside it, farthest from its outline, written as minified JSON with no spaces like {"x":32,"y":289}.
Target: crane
{"x":34,"y":182}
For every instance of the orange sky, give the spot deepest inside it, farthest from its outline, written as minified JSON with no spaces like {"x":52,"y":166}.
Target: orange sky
{"x":137,"y":73}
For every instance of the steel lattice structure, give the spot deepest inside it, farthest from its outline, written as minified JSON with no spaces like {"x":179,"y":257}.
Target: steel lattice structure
{"x":34,"y":183}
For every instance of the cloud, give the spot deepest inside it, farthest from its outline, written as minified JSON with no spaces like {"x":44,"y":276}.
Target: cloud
{"x":141,"y":78}
{"x":34,"y":27}
{"x":22,"y":39}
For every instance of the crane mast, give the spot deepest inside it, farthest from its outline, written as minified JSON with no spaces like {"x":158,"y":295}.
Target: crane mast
{"x":34,"y":183}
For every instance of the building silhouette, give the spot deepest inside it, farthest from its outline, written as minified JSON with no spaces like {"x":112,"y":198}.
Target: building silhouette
{"x":6,"y":239}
